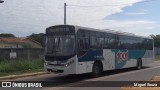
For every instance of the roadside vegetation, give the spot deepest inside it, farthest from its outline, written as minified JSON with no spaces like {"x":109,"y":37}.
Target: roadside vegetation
{"x":20,"y":66}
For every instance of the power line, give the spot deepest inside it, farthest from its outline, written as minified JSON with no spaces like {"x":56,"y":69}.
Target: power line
{"x":1,"y":1}
{"x":109,"y":4}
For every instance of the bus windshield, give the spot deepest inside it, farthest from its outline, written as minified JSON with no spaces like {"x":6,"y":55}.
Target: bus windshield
{"x":60,"y":45}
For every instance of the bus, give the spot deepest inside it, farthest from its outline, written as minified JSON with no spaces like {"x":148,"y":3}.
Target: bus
{"x":73,"y":49}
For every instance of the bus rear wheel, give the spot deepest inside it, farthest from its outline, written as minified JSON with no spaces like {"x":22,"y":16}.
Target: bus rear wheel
{"x":139,"y":64}
{"x":96,"y":70}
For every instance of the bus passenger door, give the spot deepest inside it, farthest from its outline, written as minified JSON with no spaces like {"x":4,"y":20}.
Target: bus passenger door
{"x":82,"y":67}
{"x":109,"y":59}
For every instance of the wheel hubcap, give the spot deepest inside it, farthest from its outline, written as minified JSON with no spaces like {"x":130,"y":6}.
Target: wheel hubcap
{"x":96,"y":69}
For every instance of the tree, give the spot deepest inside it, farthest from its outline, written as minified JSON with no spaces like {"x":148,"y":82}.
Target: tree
{"x":157,"y":41}
{"x":39,"y":38}
{"x":152,"y":35}
{"x":1,"y":1}
{"x":7,"y":35}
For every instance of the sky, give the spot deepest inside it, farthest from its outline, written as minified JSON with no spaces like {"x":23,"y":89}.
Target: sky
{"x":24,"y":17}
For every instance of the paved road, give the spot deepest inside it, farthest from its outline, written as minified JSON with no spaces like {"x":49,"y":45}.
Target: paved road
{"x":130,"y":74}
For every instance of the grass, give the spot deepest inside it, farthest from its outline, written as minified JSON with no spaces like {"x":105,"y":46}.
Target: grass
{"x":20,"y":66}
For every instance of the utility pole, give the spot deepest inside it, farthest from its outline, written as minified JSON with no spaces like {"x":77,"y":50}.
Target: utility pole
{"x":1,"y":1}
{"x":64,"y":13}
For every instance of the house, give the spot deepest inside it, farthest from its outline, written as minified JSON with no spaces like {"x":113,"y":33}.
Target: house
{"x":19,"y":42}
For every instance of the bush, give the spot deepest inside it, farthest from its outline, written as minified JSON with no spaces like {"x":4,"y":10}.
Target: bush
{"x":6,"y":67}
{"x":20,"y":65}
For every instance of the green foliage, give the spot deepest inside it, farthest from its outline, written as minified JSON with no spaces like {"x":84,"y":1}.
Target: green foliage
{"x":6,"y":35}
{"x":20,"y":65}
{"x":39,"y":38}
{"x":156,"y":40}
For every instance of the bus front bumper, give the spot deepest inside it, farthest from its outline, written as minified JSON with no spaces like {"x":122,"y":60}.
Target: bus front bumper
{"x":55,"y":69}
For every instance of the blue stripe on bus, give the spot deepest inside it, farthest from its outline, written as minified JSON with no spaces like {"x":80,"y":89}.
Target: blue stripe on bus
{"x":91,"y":55}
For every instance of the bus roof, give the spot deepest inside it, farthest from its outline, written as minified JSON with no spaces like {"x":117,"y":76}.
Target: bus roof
{"x":106,"y":30}
{"x":114,"y":32}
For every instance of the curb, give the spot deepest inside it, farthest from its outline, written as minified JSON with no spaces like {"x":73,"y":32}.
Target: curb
{"x":22,"y":75}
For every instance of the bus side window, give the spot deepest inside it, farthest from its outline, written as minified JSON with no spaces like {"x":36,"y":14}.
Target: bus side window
{"x":82,"y":42}
{"x":111,"y":41}
{"x":100,"y":40}
{"x":150,"y":43}
{"x":147,"y":44}
{"x":106,"y":41}
{"x":93,"y":40}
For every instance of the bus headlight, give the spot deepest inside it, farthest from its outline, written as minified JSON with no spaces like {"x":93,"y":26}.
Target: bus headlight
{"x":66,"y":65}
{"x":46,"y":63}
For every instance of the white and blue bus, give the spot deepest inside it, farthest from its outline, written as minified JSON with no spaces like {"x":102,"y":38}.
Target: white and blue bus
{"x":75,"y":50}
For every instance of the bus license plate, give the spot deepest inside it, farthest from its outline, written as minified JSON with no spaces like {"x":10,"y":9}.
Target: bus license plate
{"x":54,"y":69}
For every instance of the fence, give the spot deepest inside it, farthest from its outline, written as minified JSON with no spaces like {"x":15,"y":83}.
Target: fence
{"x":31,"y":53}
{"x":21,"y":53}
{"x":157,"y":51}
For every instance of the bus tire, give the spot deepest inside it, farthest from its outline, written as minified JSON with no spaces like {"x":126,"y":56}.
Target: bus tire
{"x":139,"y":64}
{"x":96,"y":70}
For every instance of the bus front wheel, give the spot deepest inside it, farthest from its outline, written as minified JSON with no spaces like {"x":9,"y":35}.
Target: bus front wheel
{"x":139,"y":64}
{"x":96,"y":70}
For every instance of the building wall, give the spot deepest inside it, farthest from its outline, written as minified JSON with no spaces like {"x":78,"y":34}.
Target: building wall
{"x":22,"y":53}
{"x":157,"y":51}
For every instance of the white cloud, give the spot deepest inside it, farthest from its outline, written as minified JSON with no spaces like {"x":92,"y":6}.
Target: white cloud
{"x":136,"y":13}
{"x":138,"y":27}
{"x":23,"y":17}
{"x":140,"y":12}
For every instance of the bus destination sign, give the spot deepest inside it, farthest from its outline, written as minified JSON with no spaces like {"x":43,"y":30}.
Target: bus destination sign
{"x":60,"y":30}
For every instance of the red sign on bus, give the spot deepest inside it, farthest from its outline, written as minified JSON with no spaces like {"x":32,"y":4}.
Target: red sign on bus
{"x":122,"y":56}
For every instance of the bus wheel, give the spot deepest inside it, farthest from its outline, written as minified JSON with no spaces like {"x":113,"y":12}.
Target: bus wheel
{"x":96,"y":70}
{"x":139,"y":64}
